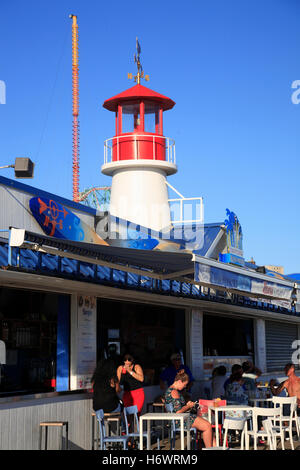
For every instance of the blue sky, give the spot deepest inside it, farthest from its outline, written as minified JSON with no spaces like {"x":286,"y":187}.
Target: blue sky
{"x":228,"y":65}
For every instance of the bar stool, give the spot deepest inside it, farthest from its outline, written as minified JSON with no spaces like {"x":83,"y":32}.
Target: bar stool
{"x":109,"y":418}
{"x":62,"y":425}
{"x":160,"y":407}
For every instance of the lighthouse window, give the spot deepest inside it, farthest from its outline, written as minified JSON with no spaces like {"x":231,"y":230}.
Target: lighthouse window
{"x":151,"y":118}
{"x":131,"y":118}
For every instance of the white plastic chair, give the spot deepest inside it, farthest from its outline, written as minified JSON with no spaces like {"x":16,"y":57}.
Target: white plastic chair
{"x":273,"y":414}
{"x":215,"y":448}
{"x":234,"y":424}
{"x":268,"y":427}
{"x":279,"y":402}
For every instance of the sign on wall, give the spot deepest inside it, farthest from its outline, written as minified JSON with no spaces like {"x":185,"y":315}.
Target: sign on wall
{"x":234,"y":241}
{"x":86,"y":340}
{"x":218,"y":277}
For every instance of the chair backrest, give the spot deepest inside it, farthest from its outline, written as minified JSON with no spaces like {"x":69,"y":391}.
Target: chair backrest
{"x":284,"y":400}
{"x":129,"y":411}
{"x":234,"y":423}
{"x":101,"y":425}
{"x":204,"y":404}
{"x":279,"y":402}
{"x":257,"y":411}
{"x":169,"y":407}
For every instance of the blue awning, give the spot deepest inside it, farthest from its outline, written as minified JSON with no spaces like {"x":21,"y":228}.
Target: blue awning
{"x":157,"y":264}
{"x":163,"y":272}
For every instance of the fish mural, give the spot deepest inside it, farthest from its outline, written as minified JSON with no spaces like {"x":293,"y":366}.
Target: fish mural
{"x":59,"y":222}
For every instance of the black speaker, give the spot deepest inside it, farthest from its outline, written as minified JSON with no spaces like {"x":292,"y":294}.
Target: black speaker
{"x":24,"y":168}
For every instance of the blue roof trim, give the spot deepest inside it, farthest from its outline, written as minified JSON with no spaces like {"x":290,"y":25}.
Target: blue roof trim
{"x":294,"y":277}
{"x":25,"y":260}
{"x":40,"y":192}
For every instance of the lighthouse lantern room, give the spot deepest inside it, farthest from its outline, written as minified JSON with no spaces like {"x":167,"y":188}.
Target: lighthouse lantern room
{"x":139,"y":157}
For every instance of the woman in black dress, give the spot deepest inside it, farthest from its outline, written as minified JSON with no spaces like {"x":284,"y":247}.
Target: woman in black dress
{"x":131,"y":377}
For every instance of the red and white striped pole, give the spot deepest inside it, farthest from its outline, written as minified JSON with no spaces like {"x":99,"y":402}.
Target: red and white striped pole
{"x":75,"y":106}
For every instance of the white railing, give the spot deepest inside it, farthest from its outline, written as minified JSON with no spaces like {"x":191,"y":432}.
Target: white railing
{"x":186,"y":206}
{"x":113,"y":145}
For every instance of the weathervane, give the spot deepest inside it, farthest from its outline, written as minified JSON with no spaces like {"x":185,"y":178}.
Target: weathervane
{"x":140,"y":71}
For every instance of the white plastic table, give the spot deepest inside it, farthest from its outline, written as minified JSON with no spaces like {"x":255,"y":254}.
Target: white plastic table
{"x":182,"y":417}
{"x":216,"y":409}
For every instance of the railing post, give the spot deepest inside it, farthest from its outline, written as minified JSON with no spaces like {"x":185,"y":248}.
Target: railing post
{"x":153,"y":138}
{"x":174,"y":153}
{"x":181,"y":209}
{"x":9,"y":259}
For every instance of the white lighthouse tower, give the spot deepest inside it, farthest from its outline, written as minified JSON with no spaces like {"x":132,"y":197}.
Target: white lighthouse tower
{"x":139,"y":157}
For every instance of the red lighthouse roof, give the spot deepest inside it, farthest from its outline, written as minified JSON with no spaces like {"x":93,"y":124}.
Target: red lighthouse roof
{"x":138,"y":92}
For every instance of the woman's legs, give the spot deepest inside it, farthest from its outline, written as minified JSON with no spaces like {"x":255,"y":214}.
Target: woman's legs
{"x":138,"y":399}
{"x":205,"y":427}
{"x":131,"y":398}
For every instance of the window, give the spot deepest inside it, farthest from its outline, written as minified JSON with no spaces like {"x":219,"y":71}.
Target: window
{"x":152,"y":118}
{"x":224,"y":336}
{"x":131,"y":119}
{"x":28,"y":334}
{"x":150,"y":333}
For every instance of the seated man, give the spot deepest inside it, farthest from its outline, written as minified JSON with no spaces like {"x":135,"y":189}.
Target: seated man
{"x":291,"y":385}
{"x":168,"y":375}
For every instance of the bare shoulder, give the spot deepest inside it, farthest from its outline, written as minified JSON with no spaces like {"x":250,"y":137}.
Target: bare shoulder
{"x":138,"y":368}
{"x":298,"y":383}
{"x":174,"y":393}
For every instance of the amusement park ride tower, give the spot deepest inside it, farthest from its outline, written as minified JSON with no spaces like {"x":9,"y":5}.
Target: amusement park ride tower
{"x":139,"y":157}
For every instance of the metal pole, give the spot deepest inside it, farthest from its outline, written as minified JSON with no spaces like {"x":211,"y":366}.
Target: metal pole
{"x":7,"y":166}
